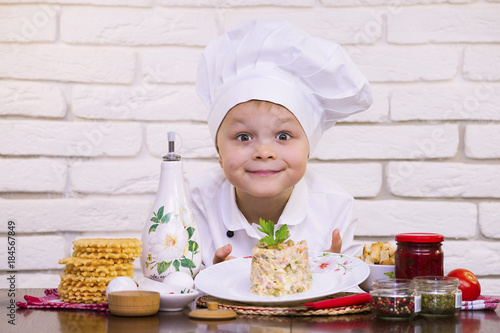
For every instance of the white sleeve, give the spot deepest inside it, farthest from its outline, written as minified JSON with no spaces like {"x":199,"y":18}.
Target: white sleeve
{"x":347,"y":234}
{"x":201,"y":220}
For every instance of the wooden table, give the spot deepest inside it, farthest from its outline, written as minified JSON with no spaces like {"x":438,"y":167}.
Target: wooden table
{"x":28,"y":320}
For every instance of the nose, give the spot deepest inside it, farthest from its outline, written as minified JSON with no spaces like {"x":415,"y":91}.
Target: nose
{"x":264,"y":151}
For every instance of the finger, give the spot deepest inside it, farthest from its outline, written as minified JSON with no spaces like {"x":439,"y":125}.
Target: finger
{"x":336,"y":242}
{"x":222,"y":253}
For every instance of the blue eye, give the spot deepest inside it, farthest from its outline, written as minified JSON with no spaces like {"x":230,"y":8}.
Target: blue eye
{"x":283,"y":136}
{"x":243,"y":137}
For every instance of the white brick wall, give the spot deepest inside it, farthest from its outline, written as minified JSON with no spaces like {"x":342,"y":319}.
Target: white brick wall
{"x":50,"y":176}
{"x":470,"y":101}
{"x":482,"y":141}
{"x":489,"y":215}
{"x":134,"y":26}
{"x":390,"y":217}
{"x":476,"y":63}
{"x":437,"y":179}
{"x":89,"y":88}
{"x":32,"y":99}
{"x":35,"y":252}
{"x":144,"y":102}
{"x":58,"y":62}
{"x":437,"y":24}
{"x":394,"y":63}
{"x":77,"y":215}
{"x":28,"y":23}
{"x":389,"y":142}
{"x":58,"y":138}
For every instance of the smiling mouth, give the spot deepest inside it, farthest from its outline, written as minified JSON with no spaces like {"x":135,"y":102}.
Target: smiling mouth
{"x":264,"y":173}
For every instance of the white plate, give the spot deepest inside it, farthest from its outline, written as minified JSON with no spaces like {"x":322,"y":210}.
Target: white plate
{"x":331,"y":273}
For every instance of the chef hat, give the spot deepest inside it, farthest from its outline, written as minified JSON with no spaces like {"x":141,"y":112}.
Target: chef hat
{"x":274,"y":61}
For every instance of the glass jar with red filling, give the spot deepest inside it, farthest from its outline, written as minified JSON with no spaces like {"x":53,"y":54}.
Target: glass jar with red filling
{"x":419,"y":254}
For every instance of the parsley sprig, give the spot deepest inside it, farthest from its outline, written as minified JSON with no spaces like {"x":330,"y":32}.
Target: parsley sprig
{"x":273,"y":238}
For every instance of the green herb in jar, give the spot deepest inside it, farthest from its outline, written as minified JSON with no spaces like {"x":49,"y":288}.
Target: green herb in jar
{"x":440,"y":304}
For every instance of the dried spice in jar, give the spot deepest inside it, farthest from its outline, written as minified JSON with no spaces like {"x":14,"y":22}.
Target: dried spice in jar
{"x":394,"y":299}
{"x":419,"y":254}
{"x":439,"y":295}
{"x":393,"y":306}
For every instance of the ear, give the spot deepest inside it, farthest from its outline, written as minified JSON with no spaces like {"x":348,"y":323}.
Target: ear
{"x":220,"y":156}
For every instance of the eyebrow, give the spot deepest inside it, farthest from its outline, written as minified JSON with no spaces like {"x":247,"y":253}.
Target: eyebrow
{"x":280,"y":120}
{"x":285,"y":120}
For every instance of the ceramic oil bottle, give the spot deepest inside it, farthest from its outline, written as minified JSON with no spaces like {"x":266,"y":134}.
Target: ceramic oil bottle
{"x":171,"y":239}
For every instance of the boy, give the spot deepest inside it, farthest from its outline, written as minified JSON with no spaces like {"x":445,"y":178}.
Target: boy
{"x":271,"y":91}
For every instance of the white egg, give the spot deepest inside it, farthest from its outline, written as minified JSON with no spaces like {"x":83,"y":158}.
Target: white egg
{"x":179,"y":279}
{"x":120,"y":283}
{"x":152,"y":285}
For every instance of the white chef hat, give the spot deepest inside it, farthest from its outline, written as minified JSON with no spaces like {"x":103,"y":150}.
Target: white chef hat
{"x":274,"y":61}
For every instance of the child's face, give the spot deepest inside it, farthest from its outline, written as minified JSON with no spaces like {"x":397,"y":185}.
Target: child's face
{"x":262,"y":149}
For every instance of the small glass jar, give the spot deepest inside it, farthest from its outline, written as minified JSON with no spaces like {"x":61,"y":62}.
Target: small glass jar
{"x":439,"y":295}
{"x":396,"y":299}
{"x":418,"y":254}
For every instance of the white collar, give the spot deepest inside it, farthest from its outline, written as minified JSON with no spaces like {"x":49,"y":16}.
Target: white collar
{"x":294,"y":212}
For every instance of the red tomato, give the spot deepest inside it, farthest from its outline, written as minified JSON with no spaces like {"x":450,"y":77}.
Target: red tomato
{"x":468,"y":284}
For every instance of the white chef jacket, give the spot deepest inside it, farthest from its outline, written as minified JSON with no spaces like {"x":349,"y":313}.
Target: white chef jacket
{"x":315,"y":208}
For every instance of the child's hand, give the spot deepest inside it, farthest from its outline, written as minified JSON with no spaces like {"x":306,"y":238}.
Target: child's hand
{"x":223,"y":254}
{"x":336,"y":242}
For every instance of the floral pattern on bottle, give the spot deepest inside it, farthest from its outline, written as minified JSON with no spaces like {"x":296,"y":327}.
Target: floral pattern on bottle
{"x":171,"y":242}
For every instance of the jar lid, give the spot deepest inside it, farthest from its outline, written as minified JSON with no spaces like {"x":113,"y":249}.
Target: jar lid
{"x":435,"y":283}
{"x":419,"y":237}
